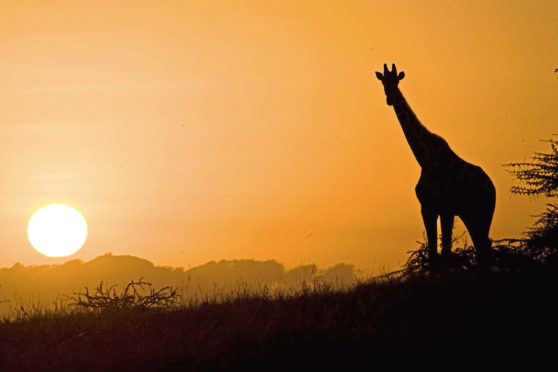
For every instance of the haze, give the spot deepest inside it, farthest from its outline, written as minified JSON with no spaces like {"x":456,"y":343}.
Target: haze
{"x":191,"y":131}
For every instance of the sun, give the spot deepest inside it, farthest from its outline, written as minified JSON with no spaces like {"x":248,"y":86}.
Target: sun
{"x":57,"y":230}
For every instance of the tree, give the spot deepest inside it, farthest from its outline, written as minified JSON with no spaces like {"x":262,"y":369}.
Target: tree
{"x":540,"y":177}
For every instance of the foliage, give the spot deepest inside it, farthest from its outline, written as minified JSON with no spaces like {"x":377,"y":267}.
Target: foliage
{"x":542,"y":237}
{"x":507,"y":256}
{"x":137,"y":295}
{"x":462,"y":258}
{"x":540,"y":175}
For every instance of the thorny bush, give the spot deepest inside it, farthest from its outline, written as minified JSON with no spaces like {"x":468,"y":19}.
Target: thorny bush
{"x":137,"y":295}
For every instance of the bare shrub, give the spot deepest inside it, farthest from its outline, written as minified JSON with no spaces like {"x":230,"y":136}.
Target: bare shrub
{"x":137,"y":295}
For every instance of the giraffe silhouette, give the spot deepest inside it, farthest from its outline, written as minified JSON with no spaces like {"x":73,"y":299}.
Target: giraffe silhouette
{"x":448,"y":185}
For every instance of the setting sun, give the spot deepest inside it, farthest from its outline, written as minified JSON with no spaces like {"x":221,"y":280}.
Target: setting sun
{"x":57,"y":230}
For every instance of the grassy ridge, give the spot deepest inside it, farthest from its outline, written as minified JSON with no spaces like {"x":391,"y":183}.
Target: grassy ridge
{"x":413,"y":319}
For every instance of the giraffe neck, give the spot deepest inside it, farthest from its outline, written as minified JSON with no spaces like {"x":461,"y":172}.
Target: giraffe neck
{"x":420,"y":139}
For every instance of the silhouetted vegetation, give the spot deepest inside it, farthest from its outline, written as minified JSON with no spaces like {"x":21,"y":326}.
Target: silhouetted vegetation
{"x":137,"y":295}
{"x":446,"y":317}
{"x":507,"y":256}
{"x":408,"y":317}
{"x":540,"y":177}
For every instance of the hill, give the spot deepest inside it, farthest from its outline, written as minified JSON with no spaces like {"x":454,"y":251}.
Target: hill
{"x":46,"y":285}
{"x":447,"y":320}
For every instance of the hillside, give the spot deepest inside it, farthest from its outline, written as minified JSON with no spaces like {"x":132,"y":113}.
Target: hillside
{"x":456,"y":318}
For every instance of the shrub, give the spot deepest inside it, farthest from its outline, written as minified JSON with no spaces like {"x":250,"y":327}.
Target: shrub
{"x":137,"y":295}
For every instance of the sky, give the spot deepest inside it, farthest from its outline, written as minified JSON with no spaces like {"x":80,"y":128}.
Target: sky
{"x":191,"y":131}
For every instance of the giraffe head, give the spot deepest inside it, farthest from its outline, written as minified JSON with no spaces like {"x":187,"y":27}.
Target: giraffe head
{"x":390,"y":80}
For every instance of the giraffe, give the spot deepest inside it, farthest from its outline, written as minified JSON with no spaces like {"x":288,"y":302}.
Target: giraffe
{"x":448,"y":185}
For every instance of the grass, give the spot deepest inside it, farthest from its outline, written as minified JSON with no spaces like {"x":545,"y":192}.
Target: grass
{"x":413,"y":318}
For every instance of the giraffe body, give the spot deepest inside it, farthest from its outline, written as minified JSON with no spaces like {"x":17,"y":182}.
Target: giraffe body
{"x":448,"y":185}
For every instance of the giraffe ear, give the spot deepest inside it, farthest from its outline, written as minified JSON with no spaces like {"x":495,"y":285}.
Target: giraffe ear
{"x":401,"y":75}
{"x":379,"y":76}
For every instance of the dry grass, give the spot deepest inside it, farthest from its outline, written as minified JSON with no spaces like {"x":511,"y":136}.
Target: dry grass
{"x":415,"y":315}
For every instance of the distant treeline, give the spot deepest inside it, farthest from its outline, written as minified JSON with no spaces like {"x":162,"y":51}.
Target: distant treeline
{"x":47,"y":284}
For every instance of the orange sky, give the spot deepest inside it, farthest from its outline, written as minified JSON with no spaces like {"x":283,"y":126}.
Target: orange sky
{"x":189,"y":131}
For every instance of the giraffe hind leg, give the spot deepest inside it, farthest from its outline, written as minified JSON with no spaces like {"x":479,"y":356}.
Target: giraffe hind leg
{"x":478,"y":230}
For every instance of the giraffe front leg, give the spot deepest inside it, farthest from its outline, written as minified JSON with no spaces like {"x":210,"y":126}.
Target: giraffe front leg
{"x":430,"y":224}
{"x":446,"y":221}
